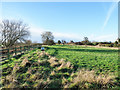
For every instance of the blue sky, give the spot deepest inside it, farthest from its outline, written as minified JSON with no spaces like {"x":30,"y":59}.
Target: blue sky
{"x":66,"y":20}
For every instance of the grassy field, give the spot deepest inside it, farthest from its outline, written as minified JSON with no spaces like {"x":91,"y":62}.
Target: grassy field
{"x":99,"y":59}
{"x":62,"y":66}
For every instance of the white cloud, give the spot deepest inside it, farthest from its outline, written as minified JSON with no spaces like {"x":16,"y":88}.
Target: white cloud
{"x":36,"y":35}
{"x":37,"y":31}
{"x":108,"y":37}
{"x":70,"y":36}
{"x":110,"y":11}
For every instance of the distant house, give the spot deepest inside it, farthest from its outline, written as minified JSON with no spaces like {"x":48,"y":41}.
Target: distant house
{"x":78,"y":43}
{"x":100,"y":44}
{"x":71,"y":43}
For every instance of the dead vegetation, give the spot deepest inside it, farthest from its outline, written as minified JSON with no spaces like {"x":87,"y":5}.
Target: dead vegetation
{"x":86,"y":79}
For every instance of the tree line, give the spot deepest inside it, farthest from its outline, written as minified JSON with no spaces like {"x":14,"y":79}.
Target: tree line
{"x":48,"y":39}
{"x":16,"y":32}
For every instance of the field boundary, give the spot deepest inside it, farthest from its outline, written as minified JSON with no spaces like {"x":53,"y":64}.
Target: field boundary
{"x":6,"y":53}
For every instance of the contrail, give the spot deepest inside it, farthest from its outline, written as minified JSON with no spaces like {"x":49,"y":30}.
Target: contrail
{"x":111,"y":9}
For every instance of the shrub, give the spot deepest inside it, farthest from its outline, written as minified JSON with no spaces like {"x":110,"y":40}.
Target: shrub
{"x":118,"y":45}
{"x":108,"y":45}
{"x":116,"y":42}
{"x":95,"y":43}
{"x":115,"y":45}
{"x":90,"y":43}
{"x":78,"y":43}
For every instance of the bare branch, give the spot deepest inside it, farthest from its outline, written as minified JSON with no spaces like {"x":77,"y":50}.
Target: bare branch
{"x":13,"y":31}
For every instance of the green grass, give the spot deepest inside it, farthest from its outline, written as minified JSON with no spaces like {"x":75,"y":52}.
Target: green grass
{"x":99,"y":59}
{"x":41,"y":72}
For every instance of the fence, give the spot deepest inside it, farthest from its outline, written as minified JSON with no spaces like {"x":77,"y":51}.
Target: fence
{"x":5,"y":53}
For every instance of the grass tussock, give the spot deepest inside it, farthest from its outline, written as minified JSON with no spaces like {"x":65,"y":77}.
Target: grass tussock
{"x":88,"y":79}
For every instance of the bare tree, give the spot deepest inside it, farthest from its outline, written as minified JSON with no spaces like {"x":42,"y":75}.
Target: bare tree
{"x":63,"y":42}
{"x":86,"y":41}
{"x":13,"y":31}
{"x":47,"y":38}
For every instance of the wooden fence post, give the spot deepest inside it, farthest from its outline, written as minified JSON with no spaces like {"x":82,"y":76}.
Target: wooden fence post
{"x":15,"y":51}
{"x":24,"y":48}
{"x":20,"y":49}
{"x":32,"y":47}
{"x":8,"y":54}
{"x":29,"y":47}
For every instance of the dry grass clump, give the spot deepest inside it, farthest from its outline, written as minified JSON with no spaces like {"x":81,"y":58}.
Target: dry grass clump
{"x":105,"y":79}
{"x":10,"y":81}
{"x":61,"y":61}
{"x":16,"y":67}
{"x":48,"y":55}
{"x":29,"y":70}
{"x":42,"y":54}
{"x":69,"y":65}
{"x":24,"y":62}
{"x":10,"y":78}
{"x":54,"y":62}
{"x":40,"y":84}
{"x":44,"y":63}
{"x":39,"y":60}
{"x":83,"y":75}
{"x":64,"y":64}
{"x":52,"y":59}
{"x":85,"y":78}
{"x":36,"y":76}
{"x":64,"y":81}
{"x":52,"y":73}
{"x":11,"y":85}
